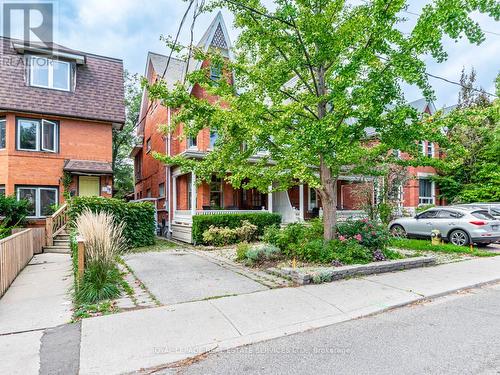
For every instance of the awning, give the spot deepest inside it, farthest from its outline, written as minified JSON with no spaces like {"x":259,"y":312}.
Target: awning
{"x":88,"y":167}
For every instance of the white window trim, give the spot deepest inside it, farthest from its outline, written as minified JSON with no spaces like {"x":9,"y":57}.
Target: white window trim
{"x":432,"y":150}
{"x":422,"y":148}
{"x":190,"y":145}
{"x":432,"y":198}
{"x":310,"y":202}
{"x":38,"y":189}
{"x":50,"y":71}
{"x":39,"y":131}
{"x":18,"y":135}
{"x":4,"y":121}
{"x":43,"y":122}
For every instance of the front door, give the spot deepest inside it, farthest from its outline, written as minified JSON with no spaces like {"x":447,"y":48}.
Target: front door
{"x":88,"y":186}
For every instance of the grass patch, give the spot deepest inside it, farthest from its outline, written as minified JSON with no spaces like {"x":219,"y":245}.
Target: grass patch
{"x":159,"y":245}
{"x":84,"y":311}
{"x":423,"y":245}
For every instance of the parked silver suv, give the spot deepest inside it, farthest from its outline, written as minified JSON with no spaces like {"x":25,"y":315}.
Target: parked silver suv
{"x":492,"y":208}
{"x":458,"y":225}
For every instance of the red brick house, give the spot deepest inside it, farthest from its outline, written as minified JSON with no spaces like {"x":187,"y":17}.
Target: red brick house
{"x":57,"y":110}
{"x":177,"y":196}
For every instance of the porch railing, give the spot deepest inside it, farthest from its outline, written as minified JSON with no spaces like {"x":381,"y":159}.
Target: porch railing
{"x":56,"y":223}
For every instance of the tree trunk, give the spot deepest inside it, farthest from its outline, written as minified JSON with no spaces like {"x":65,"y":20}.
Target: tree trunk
{"x":328,"y":194}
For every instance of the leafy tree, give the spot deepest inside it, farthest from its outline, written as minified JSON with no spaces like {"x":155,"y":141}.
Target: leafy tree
{"x":312,"y":78}
{"x":123,"y":140}
{"x":471,"y":169}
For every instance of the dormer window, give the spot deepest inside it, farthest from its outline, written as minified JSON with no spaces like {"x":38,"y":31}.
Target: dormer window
{"x":49,"y":73}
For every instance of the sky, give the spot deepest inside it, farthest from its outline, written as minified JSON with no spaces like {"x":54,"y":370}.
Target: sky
{"x":128,"y":29}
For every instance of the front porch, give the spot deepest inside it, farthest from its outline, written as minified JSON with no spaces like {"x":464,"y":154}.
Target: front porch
{"x":297,"y":204}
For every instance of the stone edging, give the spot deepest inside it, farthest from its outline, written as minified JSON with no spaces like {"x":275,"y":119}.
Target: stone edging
{"x":327,"y":274}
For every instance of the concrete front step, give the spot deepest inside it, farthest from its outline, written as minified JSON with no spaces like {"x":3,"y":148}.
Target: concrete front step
{"x":57,"y":249}
{"x":58,"y":242}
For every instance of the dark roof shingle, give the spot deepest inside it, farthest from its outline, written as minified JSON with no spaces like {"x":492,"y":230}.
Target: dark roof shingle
{"x":88,"y":166}
{"x":99,"y":93}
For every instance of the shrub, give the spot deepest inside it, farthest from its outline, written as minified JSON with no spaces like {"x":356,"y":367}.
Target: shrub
{"x":202,"y":223}
{"x":217,"y":236}
{"x":241,"y":251}
{"x":100,"y":282}
{"x":262,"y":252}
{"x":349,"y":252}
{"x":294,"y":236}
{"x":246,"y":232}
{"x":138,"y":218}
{"x":368,"y":233}
{"x":13,"y":211}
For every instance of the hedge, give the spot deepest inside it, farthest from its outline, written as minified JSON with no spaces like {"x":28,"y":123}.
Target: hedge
{"x":138,"y":218}
{"x":202,"y":222}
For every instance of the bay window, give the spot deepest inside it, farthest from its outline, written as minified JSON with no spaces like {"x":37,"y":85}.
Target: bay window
{"x":3,"y":133}
{"x":40,"y":199}
{"x":49,"y":73}
{"x":430,"y":149}
{"x":216,"y":195}
{"x":37,"y":135}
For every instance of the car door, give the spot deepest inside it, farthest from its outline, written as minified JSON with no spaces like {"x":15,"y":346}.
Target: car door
{"x":424,"y":223}
{"x":446,"y":220}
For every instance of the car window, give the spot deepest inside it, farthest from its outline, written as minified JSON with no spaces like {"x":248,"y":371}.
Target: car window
{"x":446,"y":214}
{"x":427,"y":214}
{"x":483,"y":215}
{"x":495,"y":211}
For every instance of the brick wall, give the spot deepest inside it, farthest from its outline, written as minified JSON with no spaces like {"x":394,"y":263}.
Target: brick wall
{"x":83,"y":140}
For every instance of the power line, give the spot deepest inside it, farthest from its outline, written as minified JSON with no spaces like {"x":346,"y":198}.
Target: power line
{"x":191,"y":2}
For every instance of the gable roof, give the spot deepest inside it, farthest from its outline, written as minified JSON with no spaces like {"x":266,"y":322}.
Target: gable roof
{"x":98,"y":94}
{"x":174,"y":71}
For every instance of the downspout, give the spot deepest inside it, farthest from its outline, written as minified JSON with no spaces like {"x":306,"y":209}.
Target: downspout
{"x":168,"y":175}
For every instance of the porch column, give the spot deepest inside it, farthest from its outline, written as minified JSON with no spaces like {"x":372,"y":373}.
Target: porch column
{"x":174,"y":195}
{"x":193,"y":194}
{"x":301,"y":202}
{"x":270,"y":199}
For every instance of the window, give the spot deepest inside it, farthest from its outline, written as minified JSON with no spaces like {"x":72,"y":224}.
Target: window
{"x":215,"y":72}
{"x":161,"y":190}
{"x":41,"y":199}
{"x":425,"y":191}
{"x":313,"y":199}
{"x":483,"y":215}
{"x":189,"y":191}
{"x":37,"y":135}
{"x":430,"y":149}
{"x":148,"y":193}
{"x":428,"y":214}
{"x":50,"y":74}
{"x":421,"y":147}
{"x":446,"y":214}
{"x":3,"y":133}
{"x":216,"y":196}
{"x":2,"y":190}
{"x":213,"y":138}
{"x":192,"y":142}
{"x":148,"y":145}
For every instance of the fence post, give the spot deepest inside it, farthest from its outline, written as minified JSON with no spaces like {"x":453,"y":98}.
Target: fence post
{"x":81,"y":257}
{"x":48,"y":231}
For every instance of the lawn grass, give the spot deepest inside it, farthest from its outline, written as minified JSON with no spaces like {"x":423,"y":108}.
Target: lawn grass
{"x":425,"y":245}
{"x":160,"y":245}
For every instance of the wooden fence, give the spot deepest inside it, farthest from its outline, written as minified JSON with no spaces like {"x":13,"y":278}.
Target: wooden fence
{"x":15,"y":253}
{"x":38,"y":238}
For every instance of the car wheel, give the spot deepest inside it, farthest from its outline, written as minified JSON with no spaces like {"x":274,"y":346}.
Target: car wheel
{"x":398,"y":231}
{"x":459,"y":237}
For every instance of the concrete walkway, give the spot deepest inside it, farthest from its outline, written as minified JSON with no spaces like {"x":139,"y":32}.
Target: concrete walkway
{"x":37,"y":299}
{"x":127,"y":342}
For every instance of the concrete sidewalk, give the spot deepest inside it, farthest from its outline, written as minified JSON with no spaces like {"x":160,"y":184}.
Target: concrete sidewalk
{"x":37,"y":299}
{"x":127,"y":342}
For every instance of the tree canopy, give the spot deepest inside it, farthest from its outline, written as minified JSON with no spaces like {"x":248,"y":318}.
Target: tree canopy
{"x":315,"y":84}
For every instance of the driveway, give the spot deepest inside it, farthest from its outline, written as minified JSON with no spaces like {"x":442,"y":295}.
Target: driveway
{"x":181,"y":276}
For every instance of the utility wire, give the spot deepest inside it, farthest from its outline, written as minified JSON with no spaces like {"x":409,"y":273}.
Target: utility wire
{"x":191,"y":2}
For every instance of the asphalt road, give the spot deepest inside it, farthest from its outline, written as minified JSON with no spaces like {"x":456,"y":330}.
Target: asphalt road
{"x":458,"y":334}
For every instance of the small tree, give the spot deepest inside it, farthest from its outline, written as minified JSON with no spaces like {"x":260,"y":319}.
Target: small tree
{"x":123,"y":140}
{"x":471,"y":168}
{"x":312,"y":79}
